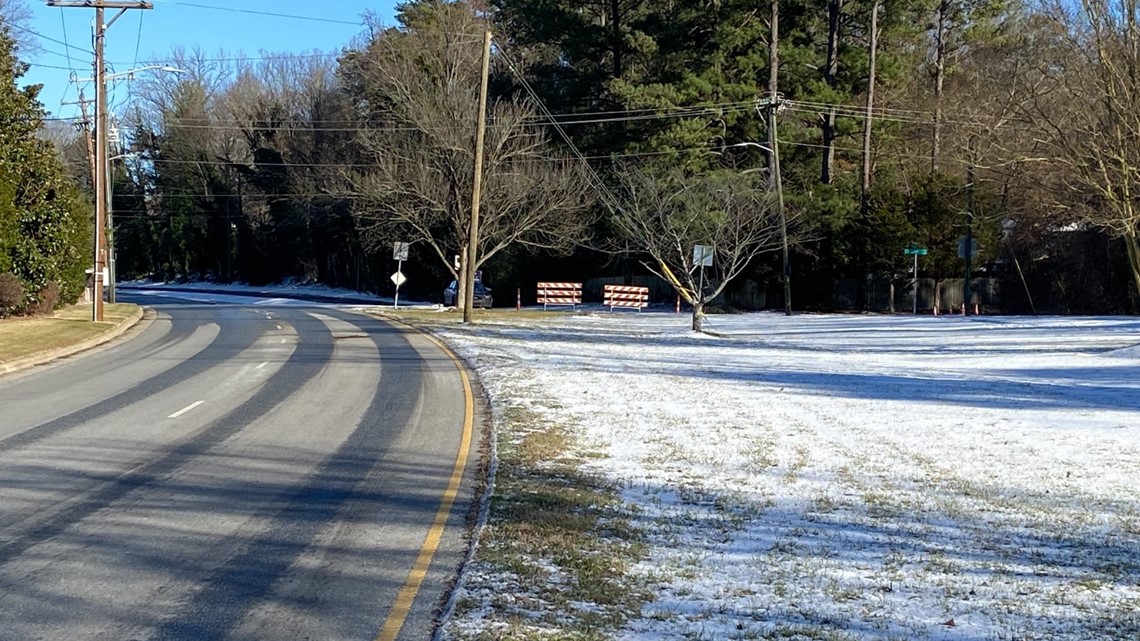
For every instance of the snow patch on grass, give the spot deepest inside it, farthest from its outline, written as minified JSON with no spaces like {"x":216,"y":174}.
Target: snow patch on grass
{"x":829,"y":477}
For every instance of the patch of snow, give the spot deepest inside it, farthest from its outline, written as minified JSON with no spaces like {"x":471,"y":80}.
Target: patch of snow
{"x":849,"y":477}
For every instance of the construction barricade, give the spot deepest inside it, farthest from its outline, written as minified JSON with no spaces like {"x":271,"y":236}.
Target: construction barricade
{"x":559,"y":294}
{"x":627,"y":297}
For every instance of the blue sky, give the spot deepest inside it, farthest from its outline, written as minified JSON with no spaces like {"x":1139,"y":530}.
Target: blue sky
{"x":187,"y":23}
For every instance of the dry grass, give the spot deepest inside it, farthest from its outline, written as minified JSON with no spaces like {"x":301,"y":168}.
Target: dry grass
{"x":559,"y":537}
{"x":22,"y":337}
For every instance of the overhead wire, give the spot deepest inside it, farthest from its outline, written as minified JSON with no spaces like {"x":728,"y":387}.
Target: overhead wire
{"x":566,"y":118}
{"x":67,"y":52}
{"x":43,"y":66}
{"x":241,"y":58}
{"x":262,"y":13}
{"x":49,"y":39}
{"x":138,"y":40}
{"x":613,"y":202}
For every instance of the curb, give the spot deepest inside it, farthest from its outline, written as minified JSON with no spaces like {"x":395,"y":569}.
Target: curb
{"x":82,"y":346}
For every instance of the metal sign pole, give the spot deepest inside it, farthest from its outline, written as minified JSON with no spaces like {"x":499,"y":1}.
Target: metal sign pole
{"x":916,"y":284}
{"x":701,"y":292}
{"x":399,"y":272}
{"x":399,"y":254}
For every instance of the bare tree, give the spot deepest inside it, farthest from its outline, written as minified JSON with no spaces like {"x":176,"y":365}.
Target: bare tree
{"x":667,"y":214}
{"x":16,"y":15}
{"x":1086,"y":109}
{"x":417,"y":94}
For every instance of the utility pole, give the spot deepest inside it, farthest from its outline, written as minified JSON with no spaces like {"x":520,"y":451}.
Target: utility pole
{"x":773,"y":105}
{"x":101,"y":174}
{"x":477,"y":186}
{"x":110,"y":159}
{"x":969,"y":245}
{"x":84,"y":126}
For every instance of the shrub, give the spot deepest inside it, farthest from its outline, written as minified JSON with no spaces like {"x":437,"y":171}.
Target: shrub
{"x":46,"y":300}
{"x":11,"y":294}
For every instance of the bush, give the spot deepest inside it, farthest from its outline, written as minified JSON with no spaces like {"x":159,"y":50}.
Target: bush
{"x":11,"y":294}
{"x":46,"y":301}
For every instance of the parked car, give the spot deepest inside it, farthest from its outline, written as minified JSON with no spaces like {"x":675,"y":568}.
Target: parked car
{"x":482,"y":296}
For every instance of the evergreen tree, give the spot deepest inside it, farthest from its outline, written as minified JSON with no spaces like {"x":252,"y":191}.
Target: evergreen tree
{"x":43,"y":237}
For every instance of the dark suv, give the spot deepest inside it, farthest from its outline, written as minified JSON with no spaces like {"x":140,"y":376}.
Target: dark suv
{"x":482,"y":296}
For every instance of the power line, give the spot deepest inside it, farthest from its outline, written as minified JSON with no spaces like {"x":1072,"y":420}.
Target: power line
{"x":239,"y":58}
{"x":63,"y":23}
{"x":262,"y":13}
{"x":43,"y":66}
{"x":546,"y":120}
{"x":613,"y":202}
{"x":138,"y":40}
{"x":49,"y":39}
{"x":70,"y":65}
{"x":568,"y":118}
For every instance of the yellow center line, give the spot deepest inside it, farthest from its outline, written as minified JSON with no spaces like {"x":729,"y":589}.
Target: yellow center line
{"x":403,"y":605}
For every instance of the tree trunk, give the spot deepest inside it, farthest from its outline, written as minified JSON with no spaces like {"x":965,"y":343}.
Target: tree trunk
{"x":1132,"y":244}
{"x":616,"y":37}
{"x":831,"y":71}
{"x":867,"y":129}
{"x":865,"y":222}
{"x":698,"y":316}
{"x":773,"y":85}
{"x":461,"y":287}
{"x":940,"y":51}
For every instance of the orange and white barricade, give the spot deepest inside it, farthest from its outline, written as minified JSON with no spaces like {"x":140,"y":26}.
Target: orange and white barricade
{"x":559,"y":294}
{"x":623,"y":296}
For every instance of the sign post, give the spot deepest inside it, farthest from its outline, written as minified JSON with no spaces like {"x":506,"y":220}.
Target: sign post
{"x":399,"y":254}
{"x":916,"y":251}
{"x":702,"y":257}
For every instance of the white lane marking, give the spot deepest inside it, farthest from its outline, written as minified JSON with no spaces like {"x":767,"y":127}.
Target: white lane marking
{"x":262,"y":365}
{"x":283,"y":341}
{"x":279,"y":327}
{"x":186,"y":409}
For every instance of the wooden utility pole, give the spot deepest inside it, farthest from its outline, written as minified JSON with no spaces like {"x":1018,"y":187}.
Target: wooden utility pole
{"x":969,"y":244}
{"x":477,"y":184}
{"x":101,"y":173}
{"x":773,"y":104}
{"x":85,"y":127}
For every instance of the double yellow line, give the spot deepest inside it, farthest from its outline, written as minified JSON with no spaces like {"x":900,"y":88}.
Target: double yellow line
{"x":403,"y":605}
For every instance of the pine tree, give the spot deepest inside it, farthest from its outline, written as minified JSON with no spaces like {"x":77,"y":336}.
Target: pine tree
{"x":43,"y":237}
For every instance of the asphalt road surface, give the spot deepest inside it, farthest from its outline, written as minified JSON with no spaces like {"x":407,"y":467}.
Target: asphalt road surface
{"x":235,"y":471}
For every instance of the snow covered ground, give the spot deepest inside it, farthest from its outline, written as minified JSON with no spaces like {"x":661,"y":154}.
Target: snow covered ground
{"x":845,"y":477}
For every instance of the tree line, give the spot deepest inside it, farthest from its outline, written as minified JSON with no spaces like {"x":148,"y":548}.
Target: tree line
{"x":621,"y":133}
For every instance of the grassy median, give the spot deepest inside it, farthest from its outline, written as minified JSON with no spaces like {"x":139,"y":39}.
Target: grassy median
{"x":22,"y":337}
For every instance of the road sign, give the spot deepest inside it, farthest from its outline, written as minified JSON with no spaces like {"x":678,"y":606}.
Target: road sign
{"x":400,"y":251}
{"x":914,"y":250}
{"x":702,"y":255}
{"x":962,"y":247}
{"x":399,"y":279}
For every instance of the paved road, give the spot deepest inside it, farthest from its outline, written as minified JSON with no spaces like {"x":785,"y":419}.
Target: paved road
{"x":233,"y":472}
